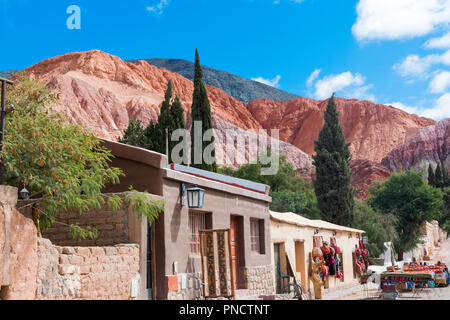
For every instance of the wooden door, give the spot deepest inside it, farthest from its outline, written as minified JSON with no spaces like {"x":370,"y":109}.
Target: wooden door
{"x":234,"y":241}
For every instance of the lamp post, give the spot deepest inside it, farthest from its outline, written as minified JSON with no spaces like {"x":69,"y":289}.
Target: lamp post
{"x":2,"y":122}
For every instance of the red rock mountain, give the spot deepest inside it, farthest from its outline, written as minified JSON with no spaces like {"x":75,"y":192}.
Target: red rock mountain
{"x":373,"y":129}
{"x":102,"y":92}
{"x":429,"y":145}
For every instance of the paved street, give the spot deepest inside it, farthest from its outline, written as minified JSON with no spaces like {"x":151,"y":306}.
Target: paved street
{"x":440,"y":254}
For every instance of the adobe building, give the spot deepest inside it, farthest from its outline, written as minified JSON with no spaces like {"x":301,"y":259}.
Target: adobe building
{"x":171,"y":264}
{"x":293,"y":241}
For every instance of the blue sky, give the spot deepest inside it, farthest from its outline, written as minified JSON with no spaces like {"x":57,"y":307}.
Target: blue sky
{"x":391,"y":52}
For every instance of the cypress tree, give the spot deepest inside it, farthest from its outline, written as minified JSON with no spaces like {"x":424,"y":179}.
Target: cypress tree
{"x":335,"y":195}
{"x":201,"y":111}
{"x":438,"y":177}
{"x":431,"y":178}
{"x":179,"y":122}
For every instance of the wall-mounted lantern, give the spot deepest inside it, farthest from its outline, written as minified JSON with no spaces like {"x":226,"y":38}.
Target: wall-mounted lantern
{"x":24,"y":194}
{"x":334,"y":233}
{"x":350,"y":235}
{"x":195,"y":195}
{"x":317,"y":231}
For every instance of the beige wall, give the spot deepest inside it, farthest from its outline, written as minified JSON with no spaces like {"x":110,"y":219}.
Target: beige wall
{"x":289,"y":234}
{"x":18,"y":249}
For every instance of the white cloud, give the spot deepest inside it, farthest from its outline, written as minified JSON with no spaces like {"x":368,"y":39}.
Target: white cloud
{"x":439,"y":110}
{"x":346,"y":83}
{"x":439,"y":43}
{"x":415,"y":66}
{"x":312,"y":77}
{"x":159,"y":7}
{"x":440,"y":82}
{"x":270,"y":82}
{"x":398,"y":19}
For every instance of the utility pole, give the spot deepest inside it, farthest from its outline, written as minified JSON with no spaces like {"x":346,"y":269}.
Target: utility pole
{"x":2,"y":122}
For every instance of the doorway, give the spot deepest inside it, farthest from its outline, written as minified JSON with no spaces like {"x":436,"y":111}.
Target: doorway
{"x":237,"y":248}
{"x":300,"y":261}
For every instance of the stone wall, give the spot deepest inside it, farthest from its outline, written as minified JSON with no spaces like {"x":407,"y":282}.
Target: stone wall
{"x":18,"y":249}
{"x":185,"y":286}
{"x":112,"y":226}
{"x":260,"y":280}
{"x":87,"y":273}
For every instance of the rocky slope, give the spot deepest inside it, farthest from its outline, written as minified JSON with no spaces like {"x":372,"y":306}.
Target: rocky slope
{"x":373,"y":129}
{"x":237,"y":87}
{"x":102,"y":92}
{"x":429,"y":145}
{"x":366,"y":172}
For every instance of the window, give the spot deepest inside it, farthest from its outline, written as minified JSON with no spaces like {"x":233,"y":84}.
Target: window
{"x":257,"y":235}
{"x":196,"y":223}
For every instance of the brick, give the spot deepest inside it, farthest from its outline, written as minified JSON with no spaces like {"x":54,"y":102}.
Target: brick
{"x":123,"y":267}
{"x":127,"y":259}
{"x":105,"y":227}
{"x":123,"y":250}
{"x":97,"y":251}
{"x":66,"y":269}
{"x":83,"y":251}
{"x":95,"y":221}
{"x":85,"y":269}
{"x":77,"y":260}
{"x":110,"y":251}
{"x":87,"y":242}
{"x":96,"y":268}
{"x":64,"y":259}
{"x":115,"y":220}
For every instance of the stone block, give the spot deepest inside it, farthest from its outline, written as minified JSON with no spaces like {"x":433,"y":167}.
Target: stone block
{"x":111,"y":251}
{"x":68,"y":250}
{"x":65,"y":269}
{"x":77,"y":260}
{"x":83,"y":251}
{"x":98,"y":251}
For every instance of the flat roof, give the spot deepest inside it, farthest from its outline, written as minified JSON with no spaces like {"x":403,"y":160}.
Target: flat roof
{"x":298,"y":220}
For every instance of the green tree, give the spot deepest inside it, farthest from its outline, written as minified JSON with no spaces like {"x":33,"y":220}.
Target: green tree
{"x":379,"y":227}
{"x":445,"y":178}
{"x":431,"y":178}
{"x":165,"y":120}
{"x":62,"y":165}
{"x":413,"y":201}
{"x":134,"y":135}
{"x":438,"y":177}
{"x":335,"y":195}
{"x":179,"y":122}
{"x":201,"y":111}
{"x":444,"y":220}
{"x":289,"y":191}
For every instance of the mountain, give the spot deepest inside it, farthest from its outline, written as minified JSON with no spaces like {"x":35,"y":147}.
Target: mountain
{"x":103,"y":92}
{"x":237,"y":87}
{"x":7,"y":73}
{"x":429,"y":145}
{"x":373,"y":129}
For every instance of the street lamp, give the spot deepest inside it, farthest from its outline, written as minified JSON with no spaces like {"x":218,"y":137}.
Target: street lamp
{"x":24,"y":194}
{"x":195,"y":195}
{"x":2,"y":122}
